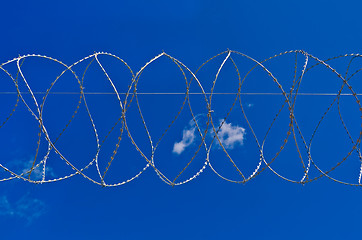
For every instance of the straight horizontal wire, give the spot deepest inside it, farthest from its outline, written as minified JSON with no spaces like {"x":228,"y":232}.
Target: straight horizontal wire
{"x":178,"y":93}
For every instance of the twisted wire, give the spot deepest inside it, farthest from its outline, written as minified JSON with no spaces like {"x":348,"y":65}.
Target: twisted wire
{"x":294,"y":133}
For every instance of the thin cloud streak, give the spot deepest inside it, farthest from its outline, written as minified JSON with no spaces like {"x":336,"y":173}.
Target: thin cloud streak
{"x":26,"y":208}
{"x":25,"y":165}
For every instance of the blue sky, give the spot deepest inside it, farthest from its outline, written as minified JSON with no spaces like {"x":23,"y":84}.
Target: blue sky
{"x":208,"y":207}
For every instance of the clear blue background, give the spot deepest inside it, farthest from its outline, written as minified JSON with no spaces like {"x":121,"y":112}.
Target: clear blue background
{"x":192,"y":31}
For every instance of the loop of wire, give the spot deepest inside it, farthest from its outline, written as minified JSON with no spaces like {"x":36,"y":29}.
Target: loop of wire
{"x":293,"y":134}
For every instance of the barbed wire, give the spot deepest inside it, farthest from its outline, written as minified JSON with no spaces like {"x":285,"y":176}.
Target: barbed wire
{"x":131,"y":95}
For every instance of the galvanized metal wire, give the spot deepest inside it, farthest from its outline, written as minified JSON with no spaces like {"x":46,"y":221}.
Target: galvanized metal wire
{"x":294,"y":134}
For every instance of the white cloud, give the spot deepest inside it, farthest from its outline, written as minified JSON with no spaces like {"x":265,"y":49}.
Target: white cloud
{"x":26,"y":207}
{"x":37,"y":173}
{"x":5,"y":208}
{"x":230,"y":135}
{"x":188,"y":137}
{"x":24,"y":165}
{"x":29,"y":208}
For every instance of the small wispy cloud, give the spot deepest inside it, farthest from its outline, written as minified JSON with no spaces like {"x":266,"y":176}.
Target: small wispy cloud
{"x":37,"y":173}
{"x":24,"y":165}
{"x":5,"y":208}
{"x":188,"y":137}
{"x":26,"y":208}
{"x":231,"y":135}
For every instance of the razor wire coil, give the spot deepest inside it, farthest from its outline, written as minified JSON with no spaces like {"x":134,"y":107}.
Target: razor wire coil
{"x":294,"y":132}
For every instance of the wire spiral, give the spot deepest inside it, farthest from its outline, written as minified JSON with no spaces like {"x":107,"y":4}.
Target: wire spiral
{"x":212,"y":127}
